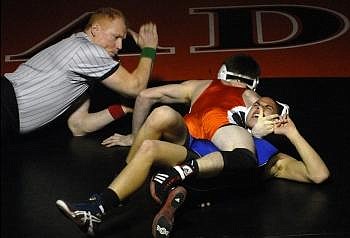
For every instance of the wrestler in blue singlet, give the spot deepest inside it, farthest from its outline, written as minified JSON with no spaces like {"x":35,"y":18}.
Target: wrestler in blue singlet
{"x":237,"y":116}
{"x":264,"y":149}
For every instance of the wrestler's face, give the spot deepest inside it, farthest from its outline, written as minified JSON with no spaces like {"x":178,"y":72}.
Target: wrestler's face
{"x":109,"y":34}
{"x":268,"y":106}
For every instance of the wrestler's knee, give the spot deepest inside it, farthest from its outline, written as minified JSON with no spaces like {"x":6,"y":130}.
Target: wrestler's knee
{"x":148,"y":150}
{"x":162,"y":116}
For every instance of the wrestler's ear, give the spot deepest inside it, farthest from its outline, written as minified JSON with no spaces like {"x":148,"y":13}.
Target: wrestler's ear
{"x":95,"y":28}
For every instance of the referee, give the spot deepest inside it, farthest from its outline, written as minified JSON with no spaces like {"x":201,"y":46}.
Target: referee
{"x":47,"y":85}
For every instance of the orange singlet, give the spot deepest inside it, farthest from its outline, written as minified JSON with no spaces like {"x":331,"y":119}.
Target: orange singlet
{"x":209,"y":111}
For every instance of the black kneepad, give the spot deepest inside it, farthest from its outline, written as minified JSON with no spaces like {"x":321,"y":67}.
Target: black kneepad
{"x":238,"y":159}
{"x":191,"y":155}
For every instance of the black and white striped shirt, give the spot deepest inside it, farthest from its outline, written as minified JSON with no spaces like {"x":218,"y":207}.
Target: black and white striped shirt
{"x":48,"y":83}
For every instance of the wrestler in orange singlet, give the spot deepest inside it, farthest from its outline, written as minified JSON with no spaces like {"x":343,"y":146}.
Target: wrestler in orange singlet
{"x":209,"y":112}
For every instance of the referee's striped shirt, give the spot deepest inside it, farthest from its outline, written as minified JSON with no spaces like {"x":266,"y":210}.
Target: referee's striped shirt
{"x":48,"y":83}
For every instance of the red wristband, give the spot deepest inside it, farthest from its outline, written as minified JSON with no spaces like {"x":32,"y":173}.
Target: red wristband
{"x":116,"y":111}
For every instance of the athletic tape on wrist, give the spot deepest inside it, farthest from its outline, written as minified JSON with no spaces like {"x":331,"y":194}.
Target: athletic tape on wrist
{"x":148,"y":52}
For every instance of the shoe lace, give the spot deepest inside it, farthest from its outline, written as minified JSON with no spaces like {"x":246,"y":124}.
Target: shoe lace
{"x":88,"y":219}
{"x":87,"y":216}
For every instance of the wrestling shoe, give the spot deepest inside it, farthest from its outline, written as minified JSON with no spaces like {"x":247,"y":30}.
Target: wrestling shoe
{"x":162,"y":183}
{"x":164,"y":220}
{"x":86,"y":215}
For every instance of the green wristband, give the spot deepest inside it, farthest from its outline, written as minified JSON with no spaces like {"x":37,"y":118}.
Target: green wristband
{"x":148,"y":52}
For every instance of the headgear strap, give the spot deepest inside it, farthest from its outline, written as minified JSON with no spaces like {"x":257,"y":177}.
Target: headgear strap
{"x":251,"y":82}
{"x":285,"y":108}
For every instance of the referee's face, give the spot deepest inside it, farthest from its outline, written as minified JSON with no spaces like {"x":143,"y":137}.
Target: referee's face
{"x":110,"y":34}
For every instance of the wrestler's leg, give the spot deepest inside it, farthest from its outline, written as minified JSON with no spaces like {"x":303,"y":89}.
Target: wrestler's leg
{"x":230,"y":137}
{"x":163,"y":123}
{"x":236,"y":154}
{"x":150,"y":152}
{"x":88,"y":214}
{"x":210,"y":165}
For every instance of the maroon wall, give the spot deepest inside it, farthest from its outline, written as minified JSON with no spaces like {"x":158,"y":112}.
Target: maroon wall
{"x":295,"y":39}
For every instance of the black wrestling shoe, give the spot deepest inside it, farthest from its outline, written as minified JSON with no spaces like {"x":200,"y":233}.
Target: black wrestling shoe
{"x":162,"y":183}
{"x":164,"y":220}
{"x":86,"y":215}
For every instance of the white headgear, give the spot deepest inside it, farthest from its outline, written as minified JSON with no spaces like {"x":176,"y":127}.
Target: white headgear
{"x":285,"y":108}
{"x":251,"y":82}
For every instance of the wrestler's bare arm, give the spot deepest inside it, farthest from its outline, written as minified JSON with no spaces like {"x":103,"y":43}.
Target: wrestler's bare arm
{"x":186,"y":92}
{"x":250,"y":97}
{"x":310,"y":169}
{"x":171,"y":93}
